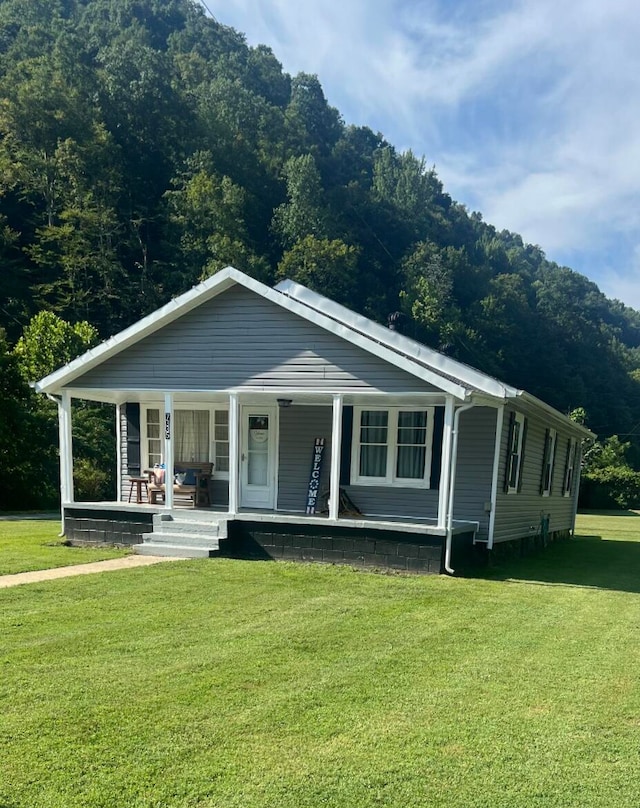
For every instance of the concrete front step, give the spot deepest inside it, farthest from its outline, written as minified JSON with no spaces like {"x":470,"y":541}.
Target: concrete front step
{"x":177,"y":538}
{"x":193,"y":535}
{"x":173,"y":551}
{"x":208,"y":527}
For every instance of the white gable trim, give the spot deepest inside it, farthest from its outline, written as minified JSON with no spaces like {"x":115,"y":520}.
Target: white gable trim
{"x":215,"y":285}
{"x":437,"y":362}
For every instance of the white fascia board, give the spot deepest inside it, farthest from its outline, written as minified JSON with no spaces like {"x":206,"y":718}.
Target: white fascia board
{"x":404,"y":345}
{"x":531,"y":404}
{"x":561,"y":418}
{"x":213,"y":286}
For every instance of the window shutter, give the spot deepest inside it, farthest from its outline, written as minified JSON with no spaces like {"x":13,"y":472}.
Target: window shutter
{"x":545,"y":459}
{"x":132,"y":415}
{"x":522,"y":448}
{"x":345,"y":449}
{"x":507,"y":459}
{"x":436,"y":454}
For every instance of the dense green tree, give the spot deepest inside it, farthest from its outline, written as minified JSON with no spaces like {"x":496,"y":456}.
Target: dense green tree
{"x":143,"y":145}
{"x":27,"y":441}
{"x":304,"y":214}
{"x":322,"y":264}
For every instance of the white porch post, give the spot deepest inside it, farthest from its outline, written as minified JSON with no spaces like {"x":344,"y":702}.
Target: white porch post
{"x":336,"y":445}
{"x":234,"y":451}
{"x":445,"y":463}
{"x":168,"y":450}
{"x":66,"y":448}
{"x":119,"y":452}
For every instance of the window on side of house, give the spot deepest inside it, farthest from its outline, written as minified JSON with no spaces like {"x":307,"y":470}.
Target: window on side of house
{"x":221,"y":443}
{"x":153,"y":442}
{"x":392,"y":447}
{"x":569,"y":467}
{"x":515,"y":453}
{"x":548,"y":462}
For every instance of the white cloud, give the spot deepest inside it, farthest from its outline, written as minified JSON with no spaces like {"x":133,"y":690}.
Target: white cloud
{"x":530,"y":109}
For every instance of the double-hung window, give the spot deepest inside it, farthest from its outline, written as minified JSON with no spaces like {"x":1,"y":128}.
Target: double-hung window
{"x":548,"y":461}
{"x":392,"y":447}
{"x":515,"y":452}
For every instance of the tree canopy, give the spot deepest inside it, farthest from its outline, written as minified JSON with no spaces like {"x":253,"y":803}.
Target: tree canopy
{"x":144,"y":145}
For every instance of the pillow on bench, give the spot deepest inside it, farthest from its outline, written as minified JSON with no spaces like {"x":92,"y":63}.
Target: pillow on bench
{"x":190,"y":476}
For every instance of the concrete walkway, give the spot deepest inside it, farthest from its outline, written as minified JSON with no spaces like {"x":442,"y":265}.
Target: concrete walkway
{"x":125,"y":563}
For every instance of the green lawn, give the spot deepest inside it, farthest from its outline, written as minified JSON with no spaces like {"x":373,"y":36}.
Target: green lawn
{"x":264,"y":685}
{"x":27,"y":545}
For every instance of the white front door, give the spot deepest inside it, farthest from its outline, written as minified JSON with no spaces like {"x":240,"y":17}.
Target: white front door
{"x":258,"y":458}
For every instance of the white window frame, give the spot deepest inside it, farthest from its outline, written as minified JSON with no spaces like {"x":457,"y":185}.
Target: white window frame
{"x":390,"y":479}
{"x":182,"y":405}
{"x":547,"y":471}
{"x":518,"y":425}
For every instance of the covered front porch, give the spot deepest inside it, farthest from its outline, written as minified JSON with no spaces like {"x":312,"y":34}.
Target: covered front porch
{"x":284,"y":460}
{"x":293,"y":452}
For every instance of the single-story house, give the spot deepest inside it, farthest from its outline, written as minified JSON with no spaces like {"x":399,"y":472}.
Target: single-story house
{"x":313,"y":433}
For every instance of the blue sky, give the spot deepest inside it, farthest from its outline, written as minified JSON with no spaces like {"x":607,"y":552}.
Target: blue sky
{"x":528,"y":109}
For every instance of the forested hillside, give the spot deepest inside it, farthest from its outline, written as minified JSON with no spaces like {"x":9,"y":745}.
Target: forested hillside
{"x":144,"y":146}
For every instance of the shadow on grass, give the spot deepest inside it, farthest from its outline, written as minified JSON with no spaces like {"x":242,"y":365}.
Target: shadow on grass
{"x":589,"y":561}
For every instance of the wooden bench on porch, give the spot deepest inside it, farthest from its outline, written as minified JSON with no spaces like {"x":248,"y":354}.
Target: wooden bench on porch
{"x":191,"y":479}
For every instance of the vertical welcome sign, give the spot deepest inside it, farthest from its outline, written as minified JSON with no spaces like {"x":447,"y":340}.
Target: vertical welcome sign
{"x":314,"y":478}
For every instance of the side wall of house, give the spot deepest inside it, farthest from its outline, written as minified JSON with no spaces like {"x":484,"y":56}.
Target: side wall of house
{"x":519,"y":514}
{"x":474,"y":469}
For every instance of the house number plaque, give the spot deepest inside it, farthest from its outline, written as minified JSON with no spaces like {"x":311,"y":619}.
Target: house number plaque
{"x":167,"y":426}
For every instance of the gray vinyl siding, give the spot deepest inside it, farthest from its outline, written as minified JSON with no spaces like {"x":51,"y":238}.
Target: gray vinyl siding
{"x":404,"y":502}
{"x":299,"y":427}
{"x":518,"y":514}
{"x":220,"y":493}
{"x":239,"y":339}
{"x":476,"y":444}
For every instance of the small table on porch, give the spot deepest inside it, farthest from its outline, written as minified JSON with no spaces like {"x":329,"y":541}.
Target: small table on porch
{"x":138,"y":482}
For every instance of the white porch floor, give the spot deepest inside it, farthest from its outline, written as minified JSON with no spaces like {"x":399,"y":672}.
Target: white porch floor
{"x":407,"y":524}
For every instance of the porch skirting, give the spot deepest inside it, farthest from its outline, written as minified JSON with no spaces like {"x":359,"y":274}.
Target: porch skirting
{"x":358,"y":546}
{"x":89,"y":526}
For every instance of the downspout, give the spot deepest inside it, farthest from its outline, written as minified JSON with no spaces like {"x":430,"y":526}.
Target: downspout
{"x":577,"y":475}
{"x":494,"y":477}
{"x":58,"y":402}
{"x":452,"y":486}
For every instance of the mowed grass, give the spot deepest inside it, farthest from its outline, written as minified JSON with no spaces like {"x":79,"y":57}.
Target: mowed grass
{"x":229,"y":683}
{"x":32,"y":544}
